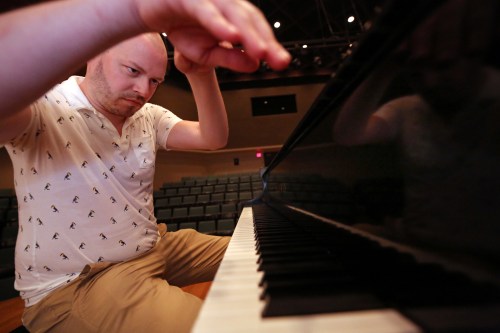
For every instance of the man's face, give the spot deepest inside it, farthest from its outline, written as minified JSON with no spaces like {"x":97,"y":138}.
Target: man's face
{"x":126,"y":77}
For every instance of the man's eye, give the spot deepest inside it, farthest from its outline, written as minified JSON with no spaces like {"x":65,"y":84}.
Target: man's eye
{"x":132,"y":70}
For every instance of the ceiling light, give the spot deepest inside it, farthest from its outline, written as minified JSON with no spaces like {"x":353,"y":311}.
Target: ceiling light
{"x":277,"y":24}
{"x":296,"y":63}
{"x":304,"y":46}
{"x":350,"y":19}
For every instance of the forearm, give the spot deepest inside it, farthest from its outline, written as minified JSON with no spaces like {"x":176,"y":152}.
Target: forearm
{"x":212,"y":116}
{"x":353,"y":122}
{"x":43,"y":44}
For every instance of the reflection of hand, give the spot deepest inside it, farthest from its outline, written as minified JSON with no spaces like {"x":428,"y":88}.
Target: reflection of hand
{"x":197,"y":28}
{"x":458,"y":29}
{"x":446,"y":53}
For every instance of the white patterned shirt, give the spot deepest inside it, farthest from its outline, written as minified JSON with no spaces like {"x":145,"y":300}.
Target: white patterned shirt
{"x":84,"y":191}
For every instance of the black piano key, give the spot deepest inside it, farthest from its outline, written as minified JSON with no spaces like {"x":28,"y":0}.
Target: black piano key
{"x":268,"y":263}
{"x":322,"y":269}
{"x":299,"y":304}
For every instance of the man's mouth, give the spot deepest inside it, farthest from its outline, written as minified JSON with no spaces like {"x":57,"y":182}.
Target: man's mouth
{"x":134,"y":101}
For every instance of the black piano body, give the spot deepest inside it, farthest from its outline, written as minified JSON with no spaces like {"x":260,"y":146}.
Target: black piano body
{"x":387,"y":194}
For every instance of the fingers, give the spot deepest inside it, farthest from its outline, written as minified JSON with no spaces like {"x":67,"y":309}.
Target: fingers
{"x":234,"y":59}
{"x":211,"y":18}
{"x":203,"y":51}
{"x":257,"y":37}
{"x":239,"y":22}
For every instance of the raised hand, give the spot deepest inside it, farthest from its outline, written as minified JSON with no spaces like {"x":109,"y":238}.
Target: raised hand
{"x":197,"y":28}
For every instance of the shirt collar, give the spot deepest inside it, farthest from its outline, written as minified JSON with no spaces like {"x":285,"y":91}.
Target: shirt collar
{"x":74,"y":94}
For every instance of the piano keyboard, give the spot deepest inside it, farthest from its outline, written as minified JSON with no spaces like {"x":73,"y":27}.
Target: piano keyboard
{"x":233,"y":304}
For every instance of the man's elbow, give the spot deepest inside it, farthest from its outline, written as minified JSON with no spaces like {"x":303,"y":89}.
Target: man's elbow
{"x":217,"y":143}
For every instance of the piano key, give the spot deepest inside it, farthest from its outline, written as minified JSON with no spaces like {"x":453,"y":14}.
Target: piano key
{"x":233,"y":306}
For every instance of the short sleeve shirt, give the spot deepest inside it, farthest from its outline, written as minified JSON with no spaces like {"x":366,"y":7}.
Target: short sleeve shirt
{"x":84,"y":191}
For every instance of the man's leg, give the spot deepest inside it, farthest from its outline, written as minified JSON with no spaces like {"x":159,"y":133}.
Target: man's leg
{"x":133,"y":296}
{"x":192,"y":257}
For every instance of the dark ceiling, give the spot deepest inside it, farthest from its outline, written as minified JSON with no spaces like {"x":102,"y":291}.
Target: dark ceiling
{"x":320,"y":24}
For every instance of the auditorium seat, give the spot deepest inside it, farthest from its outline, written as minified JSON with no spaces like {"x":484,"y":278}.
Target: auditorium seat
{"x":195,"y":190}
{"x":217,"y":197}
{"x":203,"y":198}
{"x":222,"y":180}
{"x":211,"y":180}
{"x":225,"y":226}
{"x":161,"y":202}
{"x":183,"y":190}
{"x":7,"y":261}
{"x":228,"y":210}
{"x":172,"y":226}
{"x":4,"y":203}
{"x":11,"y":215}
{"x":200,"y":182}
{"x":175,"y":201}
{"x":170,"y":192}
{"x":163,"y":214}
{"x":208,"y":189}
{"x":180,"y":213}
{"x":231,"y":196}
{"x":189,"y":182}
{"x":220,"y":188}
{"x":233,"y":179}
{"x":244,"y":196}
{"x":187,"y":225}
{"x":232,"y":187}
{"x":7,"y":192}
{"x":245,"y":178}
{"x":244,"y":186}
{"x":7,"y":288}
{"x":189,"y":199}
{"x":212,"y":210}
{"x":207,"y":226}
{"x":196,"y":212}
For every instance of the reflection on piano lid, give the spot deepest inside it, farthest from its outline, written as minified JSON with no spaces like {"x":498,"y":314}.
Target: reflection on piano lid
{"x":380,"y":213}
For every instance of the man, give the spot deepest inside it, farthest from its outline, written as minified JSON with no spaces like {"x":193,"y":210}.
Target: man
{"x":90,"y":257}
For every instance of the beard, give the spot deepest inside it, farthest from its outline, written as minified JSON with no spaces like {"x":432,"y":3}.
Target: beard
{"x":123,"y":104}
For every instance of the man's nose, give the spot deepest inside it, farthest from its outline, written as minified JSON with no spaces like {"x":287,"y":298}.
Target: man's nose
{"x":142,"y":87}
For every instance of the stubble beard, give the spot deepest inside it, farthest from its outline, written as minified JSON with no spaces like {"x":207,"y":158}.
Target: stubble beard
{"x":109,"y":101}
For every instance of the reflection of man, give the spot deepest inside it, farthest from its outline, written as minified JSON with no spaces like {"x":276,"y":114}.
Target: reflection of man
{"x":95,"y":260}
{"x":448,"y":132}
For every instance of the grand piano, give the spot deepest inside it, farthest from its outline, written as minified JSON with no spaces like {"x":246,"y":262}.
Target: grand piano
{"x":381,"y":213}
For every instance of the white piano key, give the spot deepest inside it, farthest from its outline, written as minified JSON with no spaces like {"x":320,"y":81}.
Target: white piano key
{"x":233,"y":305}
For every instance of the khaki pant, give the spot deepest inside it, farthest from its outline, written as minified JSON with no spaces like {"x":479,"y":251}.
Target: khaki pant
{"x":140,"y":295}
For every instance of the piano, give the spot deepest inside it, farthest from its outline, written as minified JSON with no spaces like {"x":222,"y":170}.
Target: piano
{"x":389,"y":230}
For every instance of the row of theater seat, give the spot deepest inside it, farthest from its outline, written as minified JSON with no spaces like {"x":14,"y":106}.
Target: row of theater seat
{"x":188,"y":200}
{"x":181,"y":189}
{"x":208,"y":204}
{"x":8,"y":235}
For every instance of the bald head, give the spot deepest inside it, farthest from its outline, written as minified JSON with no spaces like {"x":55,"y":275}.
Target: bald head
{"x":147,"y":48}
{"x":148,"y":42}
{"x":120,"y":80}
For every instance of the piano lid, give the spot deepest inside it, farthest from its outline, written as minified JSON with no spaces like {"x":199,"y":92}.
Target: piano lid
{"x":404,"y":141}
